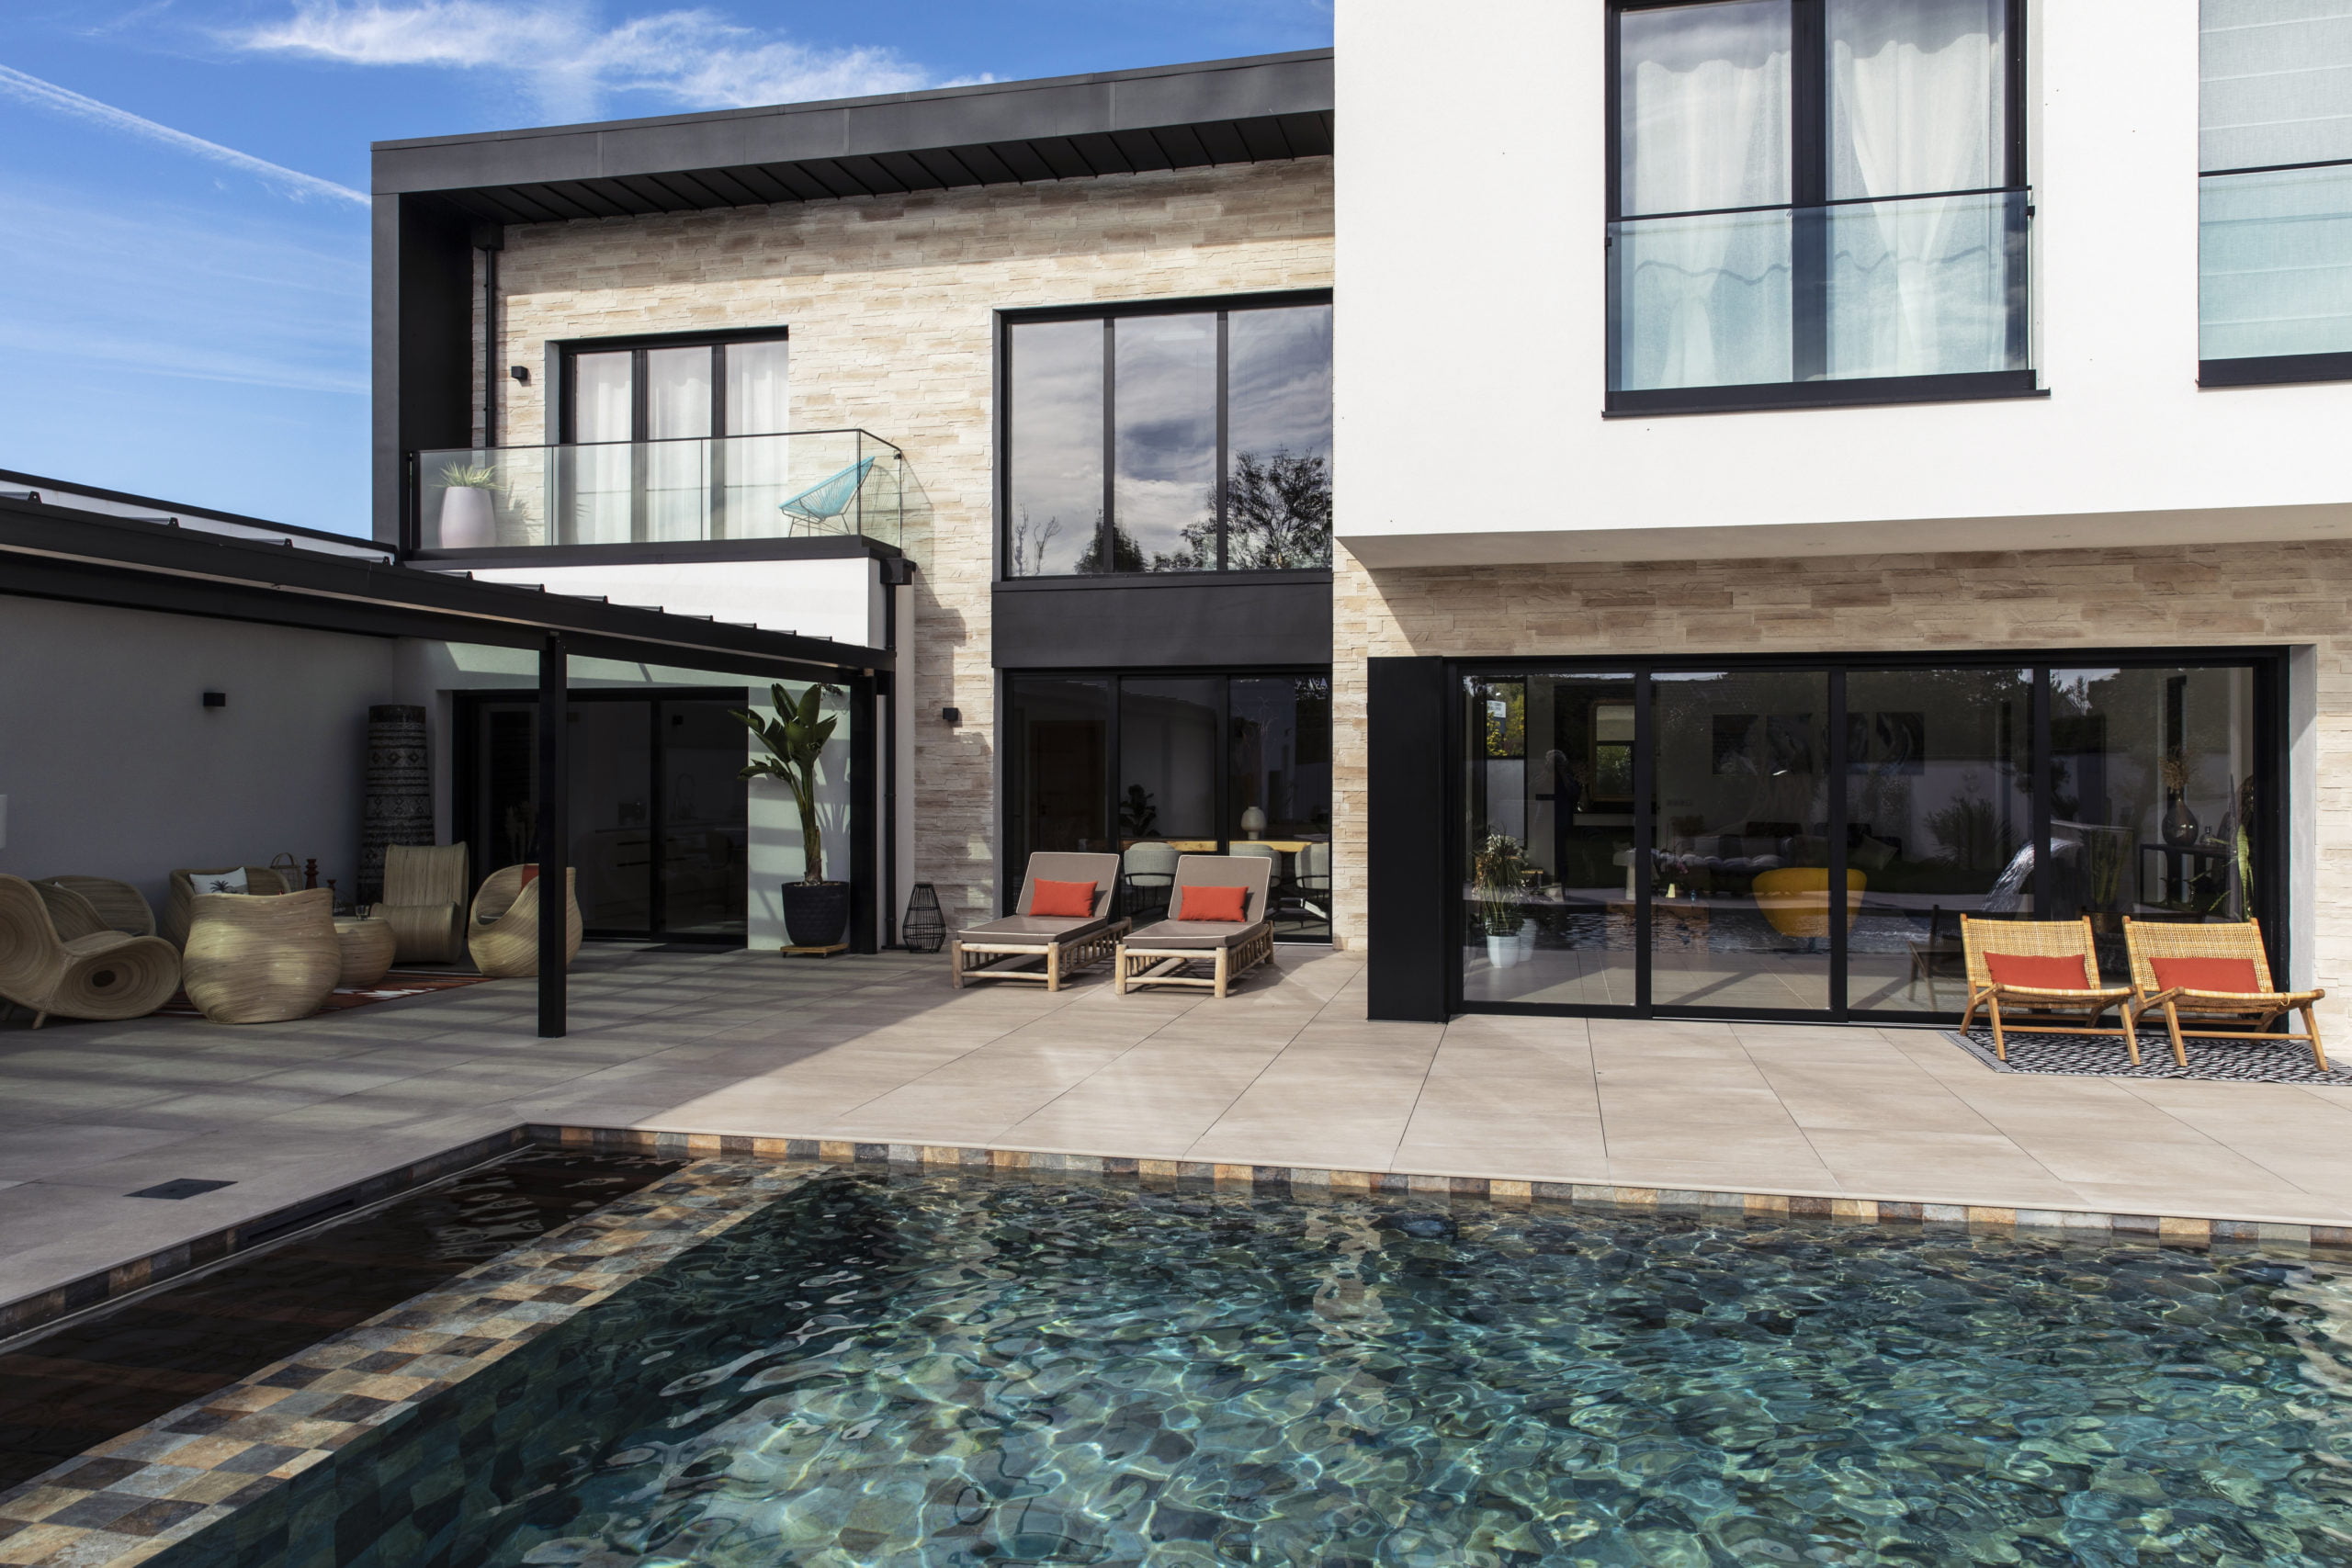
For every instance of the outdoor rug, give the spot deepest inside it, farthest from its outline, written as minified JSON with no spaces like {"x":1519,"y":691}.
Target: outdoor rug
{"x":392,"y":987}
{"x":2251,"y":1060}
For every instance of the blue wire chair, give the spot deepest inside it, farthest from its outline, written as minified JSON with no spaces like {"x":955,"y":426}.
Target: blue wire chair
{"x":824,"y":503}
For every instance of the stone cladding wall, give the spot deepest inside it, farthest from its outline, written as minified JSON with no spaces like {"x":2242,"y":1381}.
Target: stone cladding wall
{"x":2197,"y":595}
{"x":890,"y":304}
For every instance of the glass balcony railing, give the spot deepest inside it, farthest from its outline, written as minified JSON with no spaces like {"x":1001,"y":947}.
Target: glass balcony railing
{"x":2276,"y":262}
{"x":622,"y":492}
{"x":1914,"y":287}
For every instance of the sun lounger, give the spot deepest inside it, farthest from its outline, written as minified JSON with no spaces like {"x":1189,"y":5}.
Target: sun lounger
{"x":1210,"y":954}
{"x":1046,"y":948}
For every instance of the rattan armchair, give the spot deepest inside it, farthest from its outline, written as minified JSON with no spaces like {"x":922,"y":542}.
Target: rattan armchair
{"x":261,"y":958}
{"x":2014,"y":1006}
{"x":424,"y":901}
{"x":503,"y":932}
{"x":179,"y":907}
{"x":118,"y":905}
{"x":102,"y":974}
{"x":2151,"y":941}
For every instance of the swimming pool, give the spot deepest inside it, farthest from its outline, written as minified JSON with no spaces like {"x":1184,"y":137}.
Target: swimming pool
{"x":903,"y":1367}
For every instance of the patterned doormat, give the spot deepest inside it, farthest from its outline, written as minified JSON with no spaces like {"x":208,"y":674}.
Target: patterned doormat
{"x":392,"y":987}
{"x":2252,"y":1060}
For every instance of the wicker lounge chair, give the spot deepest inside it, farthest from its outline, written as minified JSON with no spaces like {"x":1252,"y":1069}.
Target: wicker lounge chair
{"x":2151,"y":943}
{"x":504,"y":932}
{"x":261,"y":959}
{"x":424,"y":901}
{"x":2012,"y":1005}
{"x":1165,"y":954}
{"x":118,"y":905}
{"x":179,"y":908}
{"x":101,"y":975}
{"x":1044,"y":948}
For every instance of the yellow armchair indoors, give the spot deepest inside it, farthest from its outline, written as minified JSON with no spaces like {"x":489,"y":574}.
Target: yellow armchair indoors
{"x":1795,"y":898}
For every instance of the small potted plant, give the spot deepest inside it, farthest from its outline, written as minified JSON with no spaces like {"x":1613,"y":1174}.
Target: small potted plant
{"x":1496,"y":870}
{"x":469,"y":506}
{"x":816,"y":913}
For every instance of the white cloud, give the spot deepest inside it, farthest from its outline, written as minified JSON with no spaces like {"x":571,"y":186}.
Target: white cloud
{"x":49,"y":95}
{"x":571,"y":60}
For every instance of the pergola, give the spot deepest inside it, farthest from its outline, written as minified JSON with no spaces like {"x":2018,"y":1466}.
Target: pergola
{"x":55,"y":552}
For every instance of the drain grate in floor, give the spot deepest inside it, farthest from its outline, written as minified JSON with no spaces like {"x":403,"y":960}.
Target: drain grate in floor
{"x":180,"y":1187}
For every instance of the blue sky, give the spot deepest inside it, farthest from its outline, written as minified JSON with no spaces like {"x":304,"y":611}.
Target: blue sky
{"x":183,"y":245}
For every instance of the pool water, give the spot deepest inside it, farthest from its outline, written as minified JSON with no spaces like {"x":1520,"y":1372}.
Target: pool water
{"x":914,"y":1370}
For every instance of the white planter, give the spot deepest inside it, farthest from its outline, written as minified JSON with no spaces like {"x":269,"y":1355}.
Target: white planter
{"x":468,"y":519}
{"x":1502,"y":952}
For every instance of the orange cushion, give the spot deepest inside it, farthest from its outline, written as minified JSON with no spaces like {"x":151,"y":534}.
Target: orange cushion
{"x":530,"y":875}
{"x":2206,"y":974}
{"x":1073,"y":900}
{"x":2037,"y":973}
{"x":1213,"y":904}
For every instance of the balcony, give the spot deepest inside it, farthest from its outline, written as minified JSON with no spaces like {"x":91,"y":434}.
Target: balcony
{"x":796,"y":484}
{"x":1915,"y":298}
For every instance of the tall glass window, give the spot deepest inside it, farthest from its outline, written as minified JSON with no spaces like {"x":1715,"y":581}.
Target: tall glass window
{"x":1765,"y":840}
{"x":1157,"y":441}
{"x":636,"y":422}
{"x":2274,"y":144}
{"x":1153,"y":766}
{"x":1814,"y":191}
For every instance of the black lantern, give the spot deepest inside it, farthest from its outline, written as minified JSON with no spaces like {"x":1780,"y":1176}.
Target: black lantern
{"x":924,"y":927}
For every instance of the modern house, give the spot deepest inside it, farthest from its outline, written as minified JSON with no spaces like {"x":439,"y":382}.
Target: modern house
{"x":1028,"y":383}
{"x":1811,"y":444}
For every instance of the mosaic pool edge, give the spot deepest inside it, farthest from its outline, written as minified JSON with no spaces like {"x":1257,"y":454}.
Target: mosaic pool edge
{"x":28,"y":1312}
{"x":133,"y":1497}
{"x":2188,"y":1230}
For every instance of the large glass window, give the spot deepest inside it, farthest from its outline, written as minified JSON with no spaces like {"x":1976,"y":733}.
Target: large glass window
{"x":1169,"y":441}
{"x":1205,"y":764}
{"x":638,"y":421}
{"x":1769,"y":841}
{"x":2275,"y":111}
{"x":1815,"y":191}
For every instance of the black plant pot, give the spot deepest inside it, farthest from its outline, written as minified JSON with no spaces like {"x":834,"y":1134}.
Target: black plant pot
{"x":815,"y":913}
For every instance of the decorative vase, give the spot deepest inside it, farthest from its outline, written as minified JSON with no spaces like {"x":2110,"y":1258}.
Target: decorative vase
{"x":468,"y":519}
{"x":924,"y":927}
{"x":1502,"y":952}
{"x":2179,"y":822}
{"x":398,"y":808}
{"x":816,"y":914}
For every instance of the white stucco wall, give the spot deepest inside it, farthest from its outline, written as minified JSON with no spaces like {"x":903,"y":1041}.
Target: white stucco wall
{"x":1471,"y":341}
{"x":112,"y":766}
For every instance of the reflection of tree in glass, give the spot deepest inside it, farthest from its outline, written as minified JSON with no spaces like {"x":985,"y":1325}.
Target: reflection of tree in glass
{"x":1027,"y":552}
{"x":1125,"y":554}
{"x":1278,"y":516}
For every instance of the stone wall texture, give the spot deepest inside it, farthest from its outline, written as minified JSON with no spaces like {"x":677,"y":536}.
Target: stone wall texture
{"x":2268,"y":595}
{"x":890,"y":303}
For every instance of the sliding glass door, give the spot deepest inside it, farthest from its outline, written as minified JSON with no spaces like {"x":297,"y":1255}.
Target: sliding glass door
{"x":1776,"y":839}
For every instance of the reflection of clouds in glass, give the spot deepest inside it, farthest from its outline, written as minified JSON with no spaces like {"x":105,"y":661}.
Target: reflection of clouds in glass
{"x":1056,"y":435}
{"x":1278,"y":385}
{"x":1166,"y":436}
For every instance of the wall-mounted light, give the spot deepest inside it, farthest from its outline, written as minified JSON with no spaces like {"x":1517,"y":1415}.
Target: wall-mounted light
{"x":216,"y":699}
{"x":951,"y":716}
{"x":521,"y":373}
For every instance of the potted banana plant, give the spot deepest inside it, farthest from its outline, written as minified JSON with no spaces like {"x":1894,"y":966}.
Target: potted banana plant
{"x":816,"y":913}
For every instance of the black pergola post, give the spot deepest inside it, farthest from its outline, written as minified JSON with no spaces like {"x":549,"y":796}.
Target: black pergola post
{"x":864,"y":754}
{"x":555,"y":790}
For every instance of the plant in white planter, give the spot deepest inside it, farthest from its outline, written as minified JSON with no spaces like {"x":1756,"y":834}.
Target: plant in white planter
{"x":816,"y":913}
{"x":469,"y":506}
{"x":1496,"y":870}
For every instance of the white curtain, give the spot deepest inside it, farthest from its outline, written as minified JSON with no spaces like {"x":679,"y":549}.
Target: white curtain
{"x":2276,"y":82}
{"x":1917,"y":92}
{"x":677,"y":463}
{"x":602,"y":388}
{"x":758,"y":453}
{"x":1704,"y":107}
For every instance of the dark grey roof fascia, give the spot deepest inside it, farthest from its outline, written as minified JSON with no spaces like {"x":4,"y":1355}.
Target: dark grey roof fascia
{"x":58,"y":552}
{"x":1162,"y":117}
{"x":44,"y":486}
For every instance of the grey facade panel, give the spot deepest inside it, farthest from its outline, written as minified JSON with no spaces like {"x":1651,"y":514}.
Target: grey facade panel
{"x":1131,"y":626}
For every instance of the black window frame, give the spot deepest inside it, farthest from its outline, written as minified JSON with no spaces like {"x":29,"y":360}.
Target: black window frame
{"x":2273,"y":906}
{"x":565,"y":351}
{"x":1223,"y":305}
{"x":1809,"y":190}
{"x":1011,"y":781}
